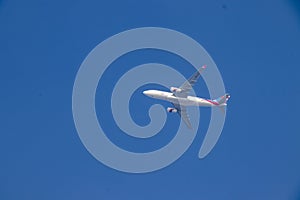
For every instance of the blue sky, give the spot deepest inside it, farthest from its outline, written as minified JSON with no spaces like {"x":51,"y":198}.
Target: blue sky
{"x":255,"y":46}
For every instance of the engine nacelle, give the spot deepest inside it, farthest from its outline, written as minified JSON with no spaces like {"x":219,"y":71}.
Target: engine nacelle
{"x":172,"y":110}
{"x":175,"y":89}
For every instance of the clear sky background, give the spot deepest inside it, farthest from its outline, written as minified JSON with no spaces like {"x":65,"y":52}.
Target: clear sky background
{"x":256,"y":47}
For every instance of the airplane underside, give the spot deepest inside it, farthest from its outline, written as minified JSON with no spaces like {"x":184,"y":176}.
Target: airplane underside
{"x":190,"y":101}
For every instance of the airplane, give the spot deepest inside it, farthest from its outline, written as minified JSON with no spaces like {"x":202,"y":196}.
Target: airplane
{"x":180,"y":99}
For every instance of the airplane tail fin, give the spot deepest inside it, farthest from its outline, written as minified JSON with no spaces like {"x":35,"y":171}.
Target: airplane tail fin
{"x":223,"y":99}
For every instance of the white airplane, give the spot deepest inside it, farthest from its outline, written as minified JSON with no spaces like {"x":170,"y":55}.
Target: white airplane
{"x":180,"y":99}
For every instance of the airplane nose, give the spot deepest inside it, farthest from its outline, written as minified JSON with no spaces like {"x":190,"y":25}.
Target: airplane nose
{"x":146,"y":93}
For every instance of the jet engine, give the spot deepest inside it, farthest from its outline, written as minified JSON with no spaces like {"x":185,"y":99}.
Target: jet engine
{"x":175,"y":89}
{"x":172,"y":110}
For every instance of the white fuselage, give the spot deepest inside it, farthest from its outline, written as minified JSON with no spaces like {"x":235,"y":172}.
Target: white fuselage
{"x":188,"y":101}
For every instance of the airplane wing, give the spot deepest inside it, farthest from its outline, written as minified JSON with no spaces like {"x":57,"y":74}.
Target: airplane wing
{"x":181,"y":110}
{"x":188,"y":84}
{"x":185,"y":90}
